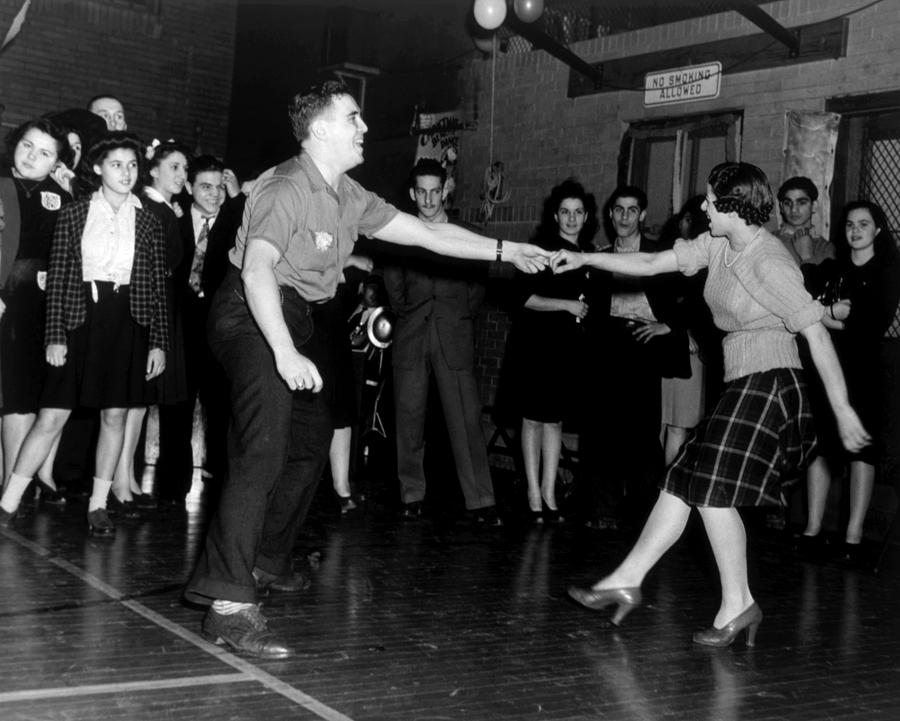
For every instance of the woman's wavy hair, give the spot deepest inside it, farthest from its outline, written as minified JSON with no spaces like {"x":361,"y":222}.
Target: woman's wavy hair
{"x":885,"y":246}
{"x":114,"y":140}
{"x":744,"y":189}
{"x":45,"y":125}
{"x":570,"y":188}
{"x":155,"y":153}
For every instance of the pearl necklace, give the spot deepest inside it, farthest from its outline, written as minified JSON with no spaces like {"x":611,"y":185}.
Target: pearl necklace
{"x":738,"y":254}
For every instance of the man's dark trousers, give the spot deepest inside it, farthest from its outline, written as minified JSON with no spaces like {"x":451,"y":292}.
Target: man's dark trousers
{"x":277,"y":448}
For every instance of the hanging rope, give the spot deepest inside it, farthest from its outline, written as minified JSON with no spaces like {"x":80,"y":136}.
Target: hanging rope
{"x":493,"y":191}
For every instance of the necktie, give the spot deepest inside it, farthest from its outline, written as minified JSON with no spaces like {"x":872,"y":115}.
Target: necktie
{"x":199,"y":256}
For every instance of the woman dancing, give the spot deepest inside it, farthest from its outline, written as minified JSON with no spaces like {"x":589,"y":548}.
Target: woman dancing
{"x":761,"y":429}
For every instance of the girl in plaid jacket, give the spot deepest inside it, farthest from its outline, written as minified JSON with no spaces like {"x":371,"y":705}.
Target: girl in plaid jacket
{"x":107,"y":330}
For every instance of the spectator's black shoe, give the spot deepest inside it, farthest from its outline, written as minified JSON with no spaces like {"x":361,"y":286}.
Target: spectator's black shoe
{"x":246,"y":630}
{"x":286,"y":583}
{"x":551,"y":515}
{"x":411,"y":511}
{"x":144,"y":501}
{"x":99,"y":523}
{"x":852,"y":556}
{"x":812,"y":548}
{"x":47,"y":494}
{"x":487,"y":516}
{"x":6,"y":518}
{"x":123,"y":509}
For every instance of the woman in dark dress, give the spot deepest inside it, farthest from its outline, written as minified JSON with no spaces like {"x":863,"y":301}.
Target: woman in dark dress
{"x":864,"y":286}
{"x":32,"y":201}
{"x":547,"y":341}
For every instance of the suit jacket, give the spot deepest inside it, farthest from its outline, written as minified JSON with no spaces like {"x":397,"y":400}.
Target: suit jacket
{"x":219,"y":241}
{"x":65,"y":295}
{"x":672,"y":351}
{"x":448,"y":291}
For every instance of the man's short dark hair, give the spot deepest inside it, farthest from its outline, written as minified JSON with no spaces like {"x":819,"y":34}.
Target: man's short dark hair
{"x":101,"y":96}
{"x":204,"y":164}
{"x":801,"y":183}
{"x":427,"y":166}
{"x":306,"y":106}
{"x":628,"y":191}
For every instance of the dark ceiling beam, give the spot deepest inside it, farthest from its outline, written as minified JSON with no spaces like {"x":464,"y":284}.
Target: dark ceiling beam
{"x":766,"y":22}
{"x":541,"y":40}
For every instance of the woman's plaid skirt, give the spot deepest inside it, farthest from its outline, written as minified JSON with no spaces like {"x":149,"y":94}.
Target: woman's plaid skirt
{"x":751,"y":447}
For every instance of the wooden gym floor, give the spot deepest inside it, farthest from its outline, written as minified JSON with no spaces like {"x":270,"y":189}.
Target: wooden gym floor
{"x":431,"y":621}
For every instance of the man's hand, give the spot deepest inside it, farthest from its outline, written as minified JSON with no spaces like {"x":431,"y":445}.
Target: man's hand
{"x":565,"y":260}
{"x":230,"y":181}
{"x":156,"y":363}
{"x":298,"y":371}
{"x":56,"y":354}
{"x":526,"y":257}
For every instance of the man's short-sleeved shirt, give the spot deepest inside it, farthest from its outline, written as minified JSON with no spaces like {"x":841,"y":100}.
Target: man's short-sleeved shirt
{"x":313,"y":226}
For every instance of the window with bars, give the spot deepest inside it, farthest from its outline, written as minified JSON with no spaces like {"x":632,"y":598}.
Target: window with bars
{"x":880,"y":173}
{"x":867,"y":162}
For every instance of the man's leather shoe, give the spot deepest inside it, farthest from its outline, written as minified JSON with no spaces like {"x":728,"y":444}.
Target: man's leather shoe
{"x":291,"y":582}
{"x":487,"y":516}
{"x":246,"y":630}
{"x":99,"y":523}
{"x":411,"y":511}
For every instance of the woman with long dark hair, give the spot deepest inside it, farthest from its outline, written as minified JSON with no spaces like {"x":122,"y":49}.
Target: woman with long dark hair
{"x":761,"y":429}
{"x":863,"y":291}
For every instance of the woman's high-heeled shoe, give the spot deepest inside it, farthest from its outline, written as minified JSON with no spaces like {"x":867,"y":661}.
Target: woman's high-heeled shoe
{"x":721,"y":637}
{"x":551,"y":515}
{"x":536,"y":517}
{"x":48,"y":494}
{"x":625,"y":599}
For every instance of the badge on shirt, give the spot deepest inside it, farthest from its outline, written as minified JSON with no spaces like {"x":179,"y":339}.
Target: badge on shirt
{"x":324,"y":240}
{"x":51,"y":201}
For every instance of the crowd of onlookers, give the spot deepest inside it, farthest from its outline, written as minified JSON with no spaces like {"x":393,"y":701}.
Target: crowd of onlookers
{"x":112,"y":249}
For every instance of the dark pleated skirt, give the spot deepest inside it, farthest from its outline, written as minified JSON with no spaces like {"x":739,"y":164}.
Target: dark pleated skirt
{"x":106,"y":362}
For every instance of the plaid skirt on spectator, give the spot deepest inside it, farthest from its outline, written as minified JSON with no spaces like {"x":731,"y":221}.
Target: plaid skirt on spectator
{"x":752,"y":445}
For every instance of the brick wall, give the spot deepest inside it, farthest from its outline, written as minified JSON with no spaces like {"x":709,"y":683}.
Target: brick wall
{"x":170,"y":62}
{"x":542,"y":136}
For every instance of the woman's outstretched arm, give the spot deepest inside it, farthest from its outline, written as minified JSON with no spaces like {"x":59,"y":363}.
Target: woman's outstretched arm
{"x":624,"y":263}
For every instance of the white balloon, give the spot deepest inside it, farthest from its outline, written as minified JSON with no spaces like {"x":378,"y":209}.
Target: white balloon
{"x":490,"y":14}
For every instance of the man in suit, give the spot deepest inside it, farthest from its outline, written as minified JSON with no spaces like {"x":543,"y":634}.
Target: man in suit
{"x":434,"y":336}
{"x":208,"y":230}
{"x":637,"y":334}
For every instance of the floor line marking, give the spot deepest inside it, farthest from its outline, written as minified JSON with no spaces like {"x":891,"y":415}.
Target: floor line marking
{"x":252,"y":671}
{"x":98,"y":689}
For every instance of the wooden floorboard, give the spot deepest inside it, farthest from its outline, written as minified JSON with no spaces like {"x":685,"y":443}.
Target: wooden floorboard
{"x":430,"y":621}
